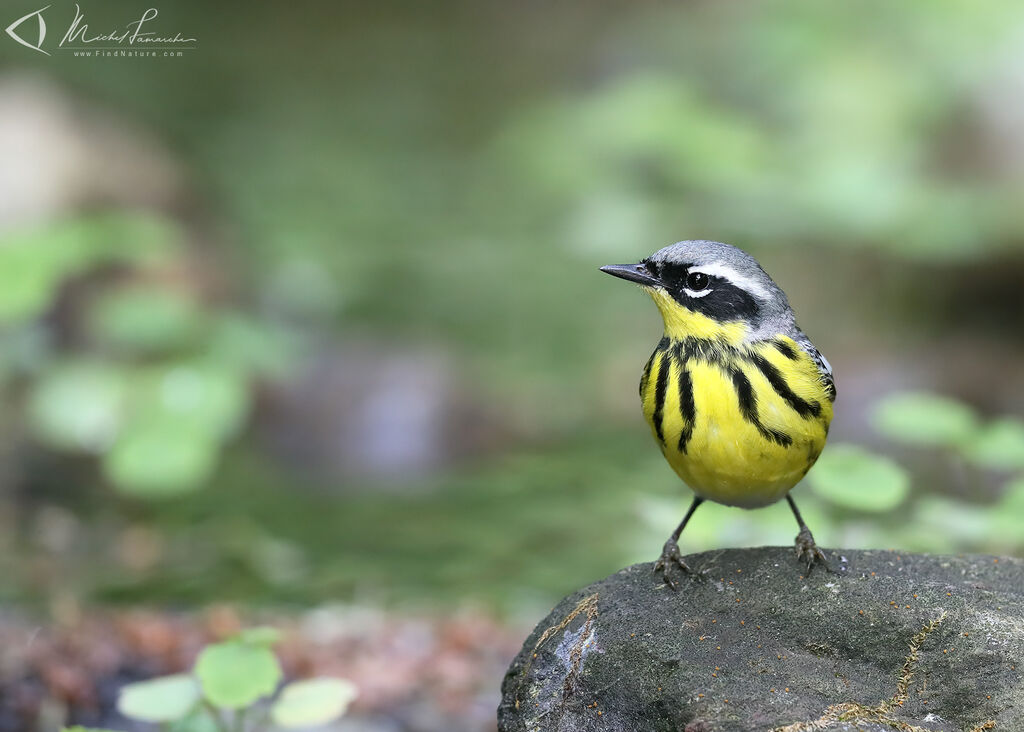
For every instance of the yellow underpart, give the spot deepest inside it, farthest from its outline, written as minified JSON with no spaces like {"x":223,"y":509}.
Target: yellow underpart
{"x":727,"y":459}
{"x":802,"y":375}
{"x":681,"y":322}
{"x":647,"y":389}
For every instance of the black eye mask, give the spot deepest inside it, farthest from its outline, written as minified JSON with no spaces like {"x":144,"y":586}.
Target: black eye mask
{"x":725,"y":303}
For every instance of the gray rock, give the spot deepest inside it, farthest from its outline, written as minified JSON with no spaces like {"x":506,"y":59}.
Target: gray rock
{"x":889,"y":642}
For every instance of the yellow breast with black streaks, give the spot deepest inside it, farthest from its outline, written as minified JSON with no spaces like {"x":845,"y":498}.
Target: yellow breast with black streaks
{"x":740,"y":424}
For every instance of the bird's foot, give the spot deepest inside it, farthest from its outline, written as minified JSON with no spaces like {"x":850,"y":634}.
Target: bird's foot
{"x":807,"y":551}
{"x":670,"y":556}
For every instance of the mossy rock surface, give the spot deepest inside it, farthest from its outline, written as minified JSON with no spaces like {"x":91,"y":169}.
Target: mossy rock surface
{"x":889,"y":641}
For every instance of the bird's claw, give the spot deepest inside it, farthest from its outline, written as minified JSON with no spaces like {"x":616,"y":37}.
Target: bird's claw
{"x":807,"y":551}
{"x":670,"y":555}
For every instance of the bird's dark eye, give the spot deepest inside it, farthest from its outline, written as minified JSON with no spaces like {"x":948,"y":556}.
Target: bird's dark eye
{"x":697,"y":281}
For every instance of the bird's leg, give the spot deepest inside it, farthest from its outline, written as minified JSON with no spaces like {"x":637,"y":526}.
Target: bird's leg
{"x":670,"y":553}
{"x":806,"y":549}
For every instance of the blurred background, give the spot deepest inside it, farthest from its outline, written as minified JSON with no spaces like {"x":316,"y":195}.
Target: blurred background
{"x":307,"y":324}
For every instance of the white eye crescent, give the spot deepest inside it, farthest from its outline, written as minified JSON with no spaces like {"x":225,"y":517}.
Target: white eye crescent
{"x":729,"y":274}
{"x":694,"y":293}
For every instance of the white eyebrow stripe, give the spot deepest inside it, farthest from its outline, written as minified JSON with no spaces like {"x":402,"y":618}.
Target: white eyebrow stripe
{"x":726,"y":272}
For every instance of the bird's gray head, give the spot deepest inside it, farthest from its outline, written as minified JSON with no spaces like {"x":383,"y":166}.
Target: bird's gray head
{"x":712,"y":279}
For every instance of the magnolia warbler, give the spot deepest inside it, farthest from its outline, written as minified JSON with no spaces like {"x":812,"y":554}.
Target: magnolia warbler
{"x":738,"y":398}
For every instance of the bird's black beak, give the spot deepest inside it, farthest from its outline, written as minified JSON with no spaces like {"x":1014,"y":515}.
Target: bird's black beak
{"x":637,"y":273}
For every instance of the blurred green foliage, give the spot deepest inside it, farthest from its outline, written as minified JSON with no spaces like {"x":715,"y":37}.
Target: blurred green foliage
{"x":999,"y":445}
{"x":228,"y":680}
{"x":34,"y":263}
{"x":236,"y":673}
{"x":931,"y":420}
{"x":141,"y":371}
{"x":165,"y":699}
{"x":926,"y":419}
{"x":855,"y":479}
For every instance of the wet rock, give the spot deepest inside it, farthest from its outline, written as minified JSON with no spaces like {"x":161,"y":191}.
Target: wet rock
{"x":889,"y":641}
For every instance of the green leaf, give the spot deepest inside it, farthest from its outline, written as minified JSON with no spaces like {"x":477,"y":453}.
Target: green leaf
{"x":196,"y":396}
{"x":28,"y":283}
{"x":78,"y":406}
{"x":235,"y":674}
{"x":165,"y":699}
{"x":312,"y":703}
{"x":183,"y":412}
{"x":199,"y":720}
{"x":261,"y":636}
{"x":920,"y":418}
{"x":158,"y":459}
{"x":850,"y":476}
{"x":35,"y":261}
{"x":144,"y":319}
{"x":999,"y":445}
{"x":79,"y":728}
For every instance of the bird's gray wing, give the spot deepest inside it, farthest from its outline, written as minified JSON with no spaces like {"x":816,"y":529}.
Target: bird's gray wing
{"x":824,"y":367}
